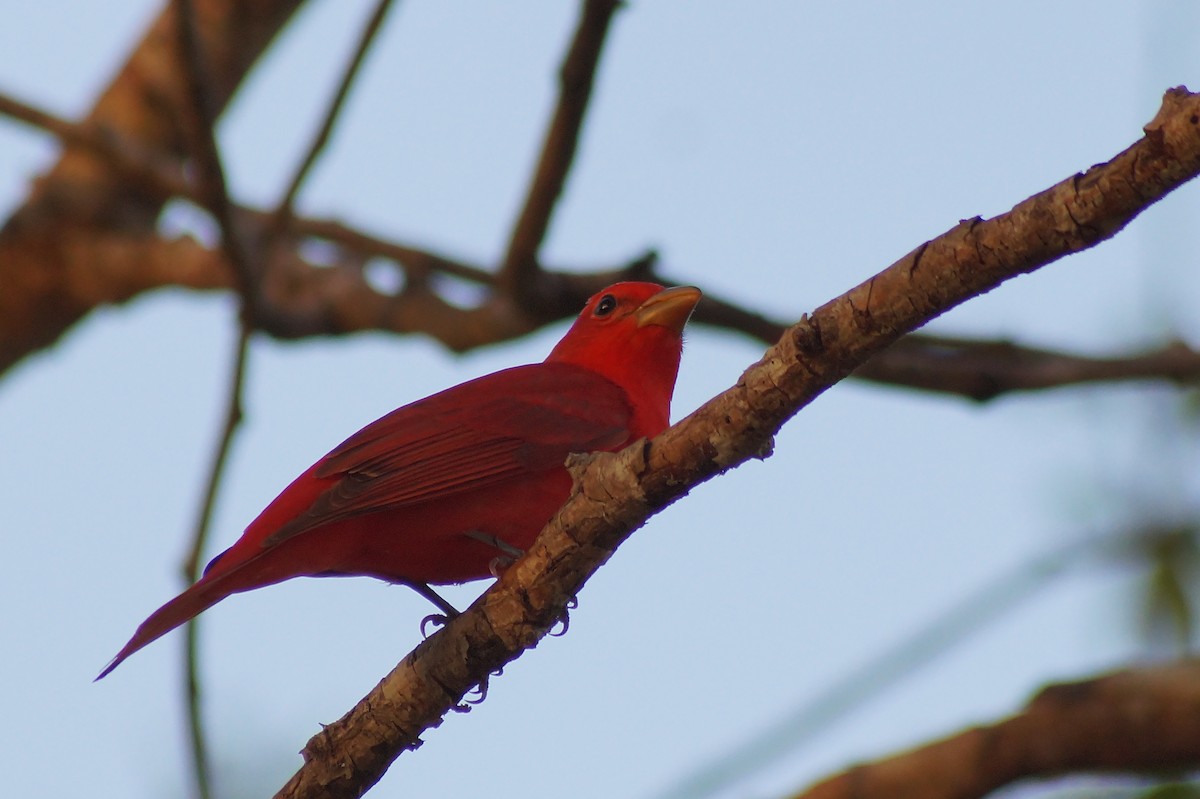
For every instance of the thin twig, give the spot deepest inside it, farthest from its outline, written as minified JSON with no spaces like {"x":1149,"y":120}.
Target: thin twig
{"x":191,"y":564}
{"x":558,"y":150}
{"x":950,"y":628}
{"x":374,"y":23}
{"x":162,"y":176}
{"x":983,"y":370}
{"x":978,"y":369}
{"x":211,"y":173}
{"x":418,"y":261}
{"x":234,"y":413}
{"x":215,"y":189}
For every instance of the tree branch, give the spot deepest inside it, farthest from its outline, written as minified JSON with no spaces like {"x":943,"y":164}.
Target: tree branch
{"x":615,"y":493}
{"x":120,"y":267}
{"x":84,"y":196}
{"x":203,"y":108}
{"x":979,"y":369}
{"x":141,"y":105}
{"x":856,"y":687}
{"x":328,"y":299}
{"x":321,"y":138}
{"x":417,"y":263}
{"x":1137,"y":720}
{"x":190,"y":570}
{"x":985,"y":370}
{"x":315,"y":300}
{"x":142,"y":168}
{"x":576,"y":79}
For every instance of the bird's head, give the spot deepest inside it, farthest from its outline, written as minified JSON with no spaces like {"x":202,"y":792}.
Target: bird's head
{"x":632,"y":334}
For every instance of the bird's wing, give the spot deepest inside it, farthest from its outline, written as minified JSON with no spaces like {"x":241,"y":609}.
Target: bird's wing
{"x":495,"y":428}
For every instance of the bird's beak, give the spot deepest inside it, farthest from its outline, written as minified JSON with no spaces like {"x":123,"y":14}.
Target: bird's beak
{"x":669,"y":308}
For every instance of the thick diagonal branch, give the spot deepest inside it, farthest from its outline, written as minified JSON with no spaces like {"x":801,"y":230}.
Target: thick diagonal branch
{"x":615,"y":494}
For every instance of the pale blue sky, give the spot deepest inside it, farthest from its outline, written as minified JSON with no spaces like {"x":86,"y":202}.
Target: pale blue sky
{"x":776,"y":152}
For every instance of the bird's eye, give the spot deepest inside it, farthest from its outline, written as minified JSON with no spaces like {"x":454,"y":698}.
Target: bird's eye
{"x":607,"y":304}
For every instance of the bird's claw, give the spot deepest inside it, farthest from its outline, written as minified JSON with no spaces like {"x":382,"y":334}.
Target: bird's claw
{"x":438,"y":620}
{"x":499,"y":564}
{"x":564,"y":619}
{"x":481,"y":689}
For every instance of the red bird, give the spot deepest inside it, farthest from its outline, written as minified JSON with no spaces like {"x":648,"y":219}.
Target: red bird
{"x":434,"y":491}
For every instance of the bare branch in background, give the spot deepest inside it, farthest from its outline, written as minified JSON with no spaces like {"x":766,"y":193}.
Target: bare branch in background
{"x":1139,"y":720}
{"x":335,"y":299}
{"x":97,"y":267}
{"x":83,"y":202}
{"x":576,"y":79}
{"x":141,"y":168}
{"x":985,"y":370}
{"x":201,"y":108}
{"x":321,"y":137}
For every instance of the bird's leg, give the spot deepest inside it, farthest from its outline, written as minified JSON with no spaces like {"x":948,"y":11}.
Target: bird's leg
{"x":436,"y":619}
{"x":498,"y":564}
{"x":495,"y":543}
{"x":502,"y":562}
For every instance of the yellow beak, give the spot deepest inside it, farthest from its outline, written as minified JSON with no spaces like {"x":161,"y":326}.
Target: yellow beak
{"x":669,"y":308}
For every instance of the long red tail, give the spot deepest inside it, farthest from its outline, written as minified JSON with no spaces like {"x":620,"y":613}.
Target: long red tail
{"x":195,"y":600}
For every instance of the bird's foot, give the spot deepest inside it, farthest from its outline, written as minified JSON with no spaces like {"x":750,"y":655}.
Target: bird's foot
{"x":437,"y":620}
{"x":565,"y":619}
{"x":448,"y":614}
{"x":480,"y":691}
{"x":508,"y":556}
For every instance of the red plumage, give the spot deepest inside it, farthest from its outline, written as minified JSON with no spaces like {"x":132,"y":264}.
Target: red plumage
{"x":407,"y":498}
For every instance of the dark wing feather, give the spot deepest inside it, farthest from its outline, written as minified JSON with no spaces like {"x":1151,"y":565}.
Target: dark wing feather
{"x":498,"y":427}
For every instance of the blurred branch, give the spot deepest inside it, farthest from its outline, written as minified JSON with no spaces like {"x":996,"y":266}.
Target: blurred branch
{"x":861,"y":685}
{"x":321,"y":138}
{"x":1150,"y":547}
{"x":119,"y":268}
{"x":102,"y":266}
{"x":202,"y":108}
{"x":141,"y":106}
{"x":140,"y":167}
{"x":614,"y":494}
{"x":1139,"y":720}
{"x":979,"y":369}
{"x":84,"y":202}
{"x":984,"y":370}
{"x":416,"y":262}
{"x":191,"y":566}
{"x":576,"y":79}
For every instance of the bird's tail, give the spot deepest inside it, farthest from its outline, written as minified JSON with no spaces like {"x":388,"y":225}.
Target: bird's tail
{"x":195,"y":600}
